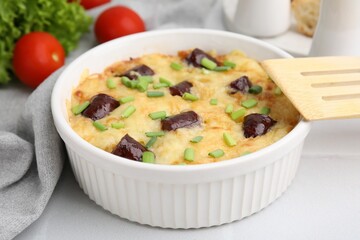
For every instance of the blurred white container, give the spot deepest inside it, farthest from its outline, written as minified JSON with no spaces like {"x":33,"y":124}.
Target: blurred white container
{"x":258,"y":18}
{"x":338,"y":29}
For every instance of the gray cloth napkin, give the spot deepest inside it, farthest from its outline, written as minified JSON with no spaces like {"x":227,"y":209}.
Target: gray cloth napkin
{"x":31,"y":162}
{"x":31,"y":152}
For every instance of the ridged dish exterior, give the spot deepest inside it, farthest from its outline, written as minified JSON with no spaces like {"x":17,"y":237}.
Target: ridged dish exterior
{"x":169,"y":205}
{"x":191,"y":196}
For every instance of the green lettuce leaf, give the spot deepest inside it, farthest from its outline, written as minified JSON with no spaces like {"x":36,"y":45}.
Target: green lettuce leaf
{"x":66,"y":21}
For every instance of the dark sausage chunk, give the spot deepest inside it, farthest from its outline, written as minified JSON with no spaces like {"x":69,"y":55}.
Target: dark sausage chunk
{"x":241,"y":84}
{"x":196,"y":55}
{"x":141,"y":70}
{"x":129,"y":148}
{"x":182,"y":120}
{"x":100,"y":106}
{"x":256,"y":124}
{"x":180,"y":88}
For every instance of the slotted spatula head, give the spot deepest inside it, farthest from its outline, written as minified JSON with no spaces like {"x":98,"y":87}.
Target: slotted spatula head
{"x":320,"y":87}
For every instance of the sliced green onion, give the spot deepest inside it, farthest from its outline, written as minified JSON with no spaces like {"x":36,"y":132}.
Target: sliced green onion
{"x":134,"y":83}
{"x":159,"y":85}
{"x":163,"y":80}
{"x":222,"y":68}
{"x":149,"y":79}
{"x":99,"y":126}
{"x":151,"y":142}
{"x":155,"y":134}
{"x":189,"y":154}
{"x":118,"y":125}
{"x":229,"y":64}
{"x":126,"y":81}
{"x":229,"y":108}
{"x":277,"y":91}
{"x":126,"y":99}
{"x":148,"y":157}
{"x":256,"y":89}
{"x":213,"y":101}
{"x":265,"y":110}
{"x":229,"y":140}
{"x":80,"y":108}
{"x":196,"y":139}
{"x":128,"y":111}
{"x":249,"y":103}
{"x":157,"y":115}
{"x":189,"y":96}
{"x":154,"y":94}
{"x":207,"y":63}
{"x":237,"y":114}
{"x":176,"y":66}
{"x":142,"y":86}
{"x":110,"y":83}
{"x":216,"y":153}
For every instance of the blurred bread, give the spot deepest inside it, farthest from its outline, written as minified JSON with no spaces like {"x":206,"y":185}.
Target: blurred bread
{"x":306,"y":13}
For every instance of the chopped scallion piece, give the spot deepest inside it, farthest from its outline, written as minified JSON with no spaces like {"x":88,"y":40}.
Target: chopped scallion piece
{"x":134,"y":83}
{"x":265,"y":110}
{"x":277,"y":91}
{"x":196,"y":139}
{"x":155,"y":134}
{"x":157,"y":115}
{"x":229,"y":64}
{"x":229,"y":108}
{"x":99,"y":126}
{"x":163,"y":80}
{"x":229,"y":140}
{"x":154,"y":94}
{"x":80,"y":108}
{"x":237,"y":114}
{"x":249,"y":103}
{"x":126,"y":99}
{"x":213,"y":101}
{"x":118,"y":125}
{"x":142,"y":85}
{"x":128,"y":111}
{"x":149,"y":79}
{"x":222,"y":68}
{"x":110,"y":83}
{"x":151,"y":142}
{"x":207,"y":63}
{"x":189,"y":154}
{"x":148,"y":157}
{"x":216,"y":153}
{"x":256,"y":89}
{"x":159,"y":85}
{"x":176,"y":66}
{"x":189,"y":96}
{"x":126,"y":81}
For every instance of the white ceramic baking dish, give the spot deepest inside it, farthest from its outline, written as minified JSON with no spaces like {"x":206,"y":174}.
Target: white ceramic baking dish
{"x":191,"y":196}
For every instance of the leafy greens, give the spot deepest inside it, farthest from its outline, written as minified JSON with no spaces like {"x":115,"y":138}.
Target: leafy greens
{"x":66,"y":21}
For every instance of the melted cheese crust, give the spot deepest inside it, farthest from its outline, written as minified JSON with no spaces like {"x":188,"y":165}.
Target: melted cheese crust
{"x":169,"y":149}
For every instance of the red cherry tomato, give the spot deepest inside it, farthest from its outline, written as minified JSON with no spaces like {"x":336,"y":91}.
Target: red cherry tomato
{"x":116,"y":22}
{"x":87,"y":4}
{"x":36,"y":56}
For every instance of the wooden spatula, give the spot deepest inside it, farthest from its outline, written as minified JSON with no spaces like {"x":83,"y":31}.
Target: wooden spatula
{"x":320,"y":87}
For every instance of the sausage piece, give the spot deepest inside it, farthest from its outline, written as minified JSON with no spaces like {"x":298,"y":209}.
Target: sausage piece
{"x":100,"y":106}
{"x":129,"y":148}
{"x":180,"y":88}
{"x":196,"y":55}
{"x":257,"y":124}
{"x":182,"y":120}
